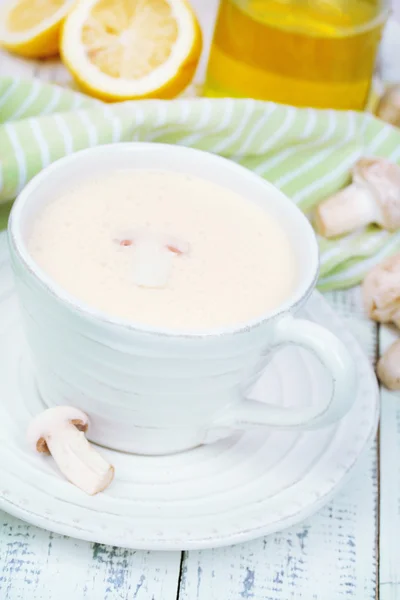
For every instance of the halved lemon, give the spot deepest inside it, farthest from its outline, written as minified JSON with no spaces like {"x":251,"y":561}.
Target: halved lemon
{"x":127,"y":49}
{"x":31,"y":28}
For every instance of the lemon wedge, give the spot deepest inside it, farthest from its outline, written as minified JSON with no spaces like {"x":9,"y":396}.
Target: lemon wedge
{"x":126,"y":49}
{"x":31,"y":28}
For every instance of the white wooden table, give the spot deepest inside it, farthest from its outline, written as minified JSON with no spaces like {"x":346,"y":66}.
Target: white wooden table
{"x":350,"y":549}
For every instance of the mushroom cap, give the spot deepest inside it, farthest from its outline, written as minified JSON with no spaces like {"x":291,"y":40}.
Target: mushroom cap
{"x":49,"y":421}
{"x":388,"y":368}
{"x":381,"y":291}
{"x":382,"y":178}
{"x":173,"y":243}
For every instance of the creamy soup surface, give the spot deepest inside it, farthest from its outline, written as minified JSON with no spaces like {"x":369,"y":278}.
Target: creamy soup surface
{"x":164,"y":249}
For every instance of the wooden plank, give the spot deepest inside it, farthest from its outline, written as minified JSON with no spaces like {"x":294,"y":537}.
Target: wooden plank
{"x":330,"y":556}
{"x":389,"y":579}
{"x":39,"y":565}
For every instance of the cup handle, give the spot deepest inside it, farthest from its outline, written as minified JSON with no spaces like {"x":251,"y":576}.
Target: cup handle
{"x":334,"y":356}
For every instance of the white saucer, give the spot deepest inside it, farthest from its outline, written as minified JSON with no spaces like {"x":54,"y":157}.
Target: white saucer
{"x":244,"y":487}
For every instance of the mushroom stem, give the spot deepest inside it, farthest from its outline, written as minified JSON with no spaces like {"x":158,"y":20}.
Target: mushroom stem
{"x":373,"y":197}
{"x":78,"y":461}
{"x":345,"y":211}
{"x":152,"y":262}
{"x":153,"y":256}
{"x":388,"y":368}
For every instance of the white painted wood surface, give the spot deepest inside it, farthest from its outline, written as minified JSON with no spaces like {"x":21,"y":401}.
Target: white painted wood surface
{"x":390,"y":484}
{"x":335,"y":554}
{"x":37,"y":565}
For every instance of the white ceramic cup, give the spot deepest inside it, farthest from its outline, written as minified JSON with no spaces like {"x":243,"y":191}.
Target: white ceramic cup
{"x":154,"y":391}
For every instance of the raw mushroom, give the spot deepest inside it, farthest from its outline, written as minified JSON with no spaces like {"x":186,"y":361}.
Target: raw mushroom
{"x":154,"y":253}
{"x":373,"y":197}
{"x":381,"y":291}
{"x":389,"y":106}
{"x":388,"y":368}
{"x":59,"y":431}
{"x":381,"y":294}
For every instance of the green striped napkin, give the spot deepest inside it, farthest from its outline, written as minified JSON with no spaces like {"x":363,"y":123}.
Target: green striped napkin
{"x":305,"y":152}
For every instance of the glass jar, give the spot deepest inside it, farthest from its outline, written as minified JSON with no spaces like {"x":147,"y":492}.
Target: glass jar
{"x":318,"y":53}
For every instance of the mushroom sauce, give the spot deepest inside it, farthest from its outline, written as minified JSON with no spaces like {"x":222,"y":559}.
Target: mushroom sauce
{"x":164,"y":249}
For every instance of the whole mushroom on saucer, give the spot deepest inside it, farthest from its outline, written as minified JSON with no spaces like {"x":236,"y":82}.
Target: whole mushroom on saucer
{"x":372,"y":197}
{"x":381,"y":294}
{"x":60,"y":431}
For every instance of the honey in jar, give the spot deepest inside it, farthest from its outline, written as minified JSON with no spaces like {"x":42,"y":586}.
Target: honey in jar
{"x":318,"y":53}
